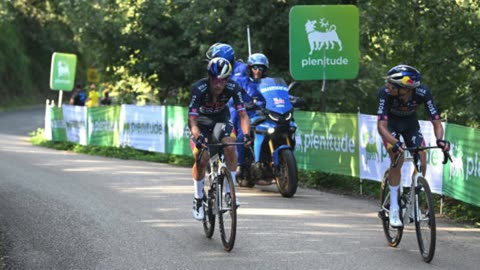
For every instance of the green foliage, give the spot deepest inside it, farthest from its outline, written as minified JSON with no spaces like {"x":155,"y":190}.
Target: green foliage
{"x":461,"y":212}
{"x":150,"y":52}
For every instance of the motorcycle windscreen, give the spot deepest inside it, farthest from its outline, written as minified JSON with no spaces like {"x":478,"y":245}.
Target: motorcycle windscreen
{"x":275,"y":92}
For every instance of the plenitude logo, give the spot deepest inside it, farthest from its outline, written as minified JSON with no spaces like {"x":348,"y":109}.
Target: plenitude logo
{"x":464,"y":166}
{"x":143,"y":128}
{"x":319,"y":142}
{"x":324,"y":42}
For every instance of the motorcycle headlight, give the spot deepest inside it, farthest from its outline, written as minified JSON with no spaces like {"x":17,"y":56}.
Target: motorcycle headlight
{"x":288,"y":117}
{"x":271,"y":130}
{"x":273,"y":117}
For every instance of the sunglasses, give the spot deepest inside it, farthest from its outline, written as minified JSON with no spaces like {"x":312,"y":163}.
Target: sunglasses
{"x":219,"y":80}
{"x":261,"y":68}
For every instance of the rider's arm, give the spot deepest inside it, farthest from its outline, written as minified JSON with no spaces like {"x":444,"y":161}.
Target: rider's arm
{"x":434,"y":116}
{"x":385,"y":133}
{"x":240,"y":106}
{"x":432,"y":111}
{"x":382,"y":122}
{"x":192,"y":124}
{"x":193,"y":109}
{"x":438,"y":129}
{"x":244,"y":122}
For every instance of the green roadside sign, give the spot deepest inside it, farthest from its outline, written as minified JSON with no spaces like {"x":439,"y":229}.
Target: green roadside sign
{"x":324,"y":42}
{"x":62,"y":71}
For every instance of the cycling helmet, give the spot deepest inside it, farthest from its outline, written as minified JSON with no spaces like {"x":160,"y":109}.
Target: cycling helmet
{"x":219,"y":68}
{"x":404,"y":76}
{"x":257,"y":59}
{"x":221,"y":50}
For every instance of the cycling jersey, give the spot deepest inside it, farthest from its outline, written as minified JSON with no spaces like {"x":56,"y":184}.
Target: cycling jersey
{"x":202,"y":104}
{"x":402,"y":117}
{"x":391,"y":106}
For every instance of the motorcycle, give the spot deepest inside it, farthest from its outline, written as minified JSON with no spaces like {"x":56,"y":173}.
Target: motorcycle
{"x":273,"y":128}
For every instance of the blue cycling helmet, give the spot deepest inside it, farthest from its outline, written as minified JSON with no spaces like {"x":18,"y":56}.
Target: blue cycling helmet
{"x":404,"y":76}
{"x":219,"y":68}
{"x":257,"y":59}
{"x":221,"y":50}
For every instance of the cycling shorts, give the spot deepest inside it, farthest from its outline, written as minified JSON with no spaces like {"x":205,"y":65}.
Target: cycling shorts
{"x":214,"y":131}
{"x":408,"y":128}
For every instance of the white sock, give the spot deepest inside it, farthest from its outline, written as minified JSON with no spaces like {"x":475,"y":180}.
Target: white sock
{"x":394,"y":197}
{"x":198,"y":187}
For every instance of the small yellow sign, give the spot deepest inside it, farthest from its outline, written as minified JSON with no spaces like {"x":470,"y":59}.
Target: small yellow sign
{"x":92,"y":75}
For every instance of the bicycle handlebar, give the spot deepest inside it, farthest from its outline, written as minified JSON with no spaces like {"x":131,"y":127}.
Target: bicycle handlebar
{"x":416,"y":149}
{"x":221,"y":145}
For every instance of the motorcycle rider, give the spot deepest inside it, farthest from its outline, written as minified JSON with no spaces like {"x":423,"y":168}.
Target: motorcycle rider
{"x":257,"y":66}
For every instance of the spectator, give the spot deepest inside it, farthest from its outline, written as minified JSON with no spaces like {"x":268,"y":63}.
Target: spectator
{"x":93,"y":97}
{"x":78,"y":96}
{"x":106,"y":100}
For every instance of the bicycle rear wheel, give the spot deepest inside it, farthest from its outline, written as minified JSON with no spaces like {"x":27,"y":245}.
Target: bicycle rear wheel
{"x":209,"y":218}
{"x":425,"y":225}
{"x":227,"y":214}
{"x":393,"y":235}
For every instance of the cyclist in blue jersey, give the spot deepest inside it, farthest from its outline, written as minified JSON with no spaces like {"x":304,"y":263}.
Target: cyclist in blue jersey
{"x":209,"y":118}
{"x":399,"y":99}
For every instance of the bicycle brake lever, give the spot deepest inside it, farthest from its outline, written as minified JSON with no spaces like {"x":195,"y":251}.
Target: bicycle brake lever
{"x":446,"y":157}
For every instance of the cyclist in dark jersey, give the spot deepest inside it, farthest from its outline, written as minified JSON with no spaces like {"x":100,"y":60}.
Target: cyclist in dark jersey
{"x":399,"y":99}
{"x":209,"y":120}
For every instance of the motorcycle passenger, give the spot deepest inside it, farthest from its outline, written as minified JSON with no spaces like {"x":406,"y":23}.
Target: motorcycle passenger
{"x":226,"y":51}
{"x":257,"y":69}
{"x":208,"y":114}
{"x":399,"y":99}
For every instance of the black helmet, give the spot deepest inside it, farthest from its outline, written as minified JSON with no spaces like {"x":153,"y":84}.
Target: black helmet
{"x":404,"y":76}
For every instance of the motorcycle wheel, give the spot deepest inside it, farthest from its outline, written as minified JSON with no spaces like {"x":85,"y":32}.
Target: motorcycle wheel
{"x":287,"y":177}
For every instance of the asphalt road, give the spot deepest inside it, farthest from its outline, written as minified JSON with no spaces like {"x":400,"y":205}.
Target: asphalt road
{"x":60,"y":210}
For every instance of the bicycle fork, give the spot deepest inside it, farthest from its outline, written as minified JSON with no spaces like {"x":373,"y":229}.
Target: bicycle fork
{"x":215,"y":191}
{"x":411,"y":199}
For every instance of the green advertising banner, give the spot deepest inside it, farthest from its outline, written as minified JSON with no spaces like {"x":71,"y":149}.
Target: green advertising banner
{"x":62,"y":71}
{"x":324,"y":42}
{"x":103,"y":125}
{"x":461,"y":178}
{"x":178,"y":138}
{"x":59,"y":132}
{"x":327,"y":142}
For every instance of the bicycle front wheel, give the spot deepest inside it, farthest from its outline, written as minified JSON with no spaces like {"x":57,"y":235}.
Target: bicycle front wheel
{"x":209,"y":218}
{"x":227,"y":214}
{"x":393,"y":235}
{"x":425,"y":220}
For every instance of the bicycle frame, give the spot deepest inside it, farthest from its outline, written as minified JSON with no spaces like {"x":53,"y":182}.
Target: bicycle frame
{"x":217,"y":162}
{"x":412,"y":198}
{"x":215,"y":203}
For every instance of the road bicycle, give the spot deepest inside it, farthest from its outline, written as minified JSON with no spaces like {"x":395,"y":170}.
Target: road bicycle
{"x":416,"y":205}
{"x":217,"y":201}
